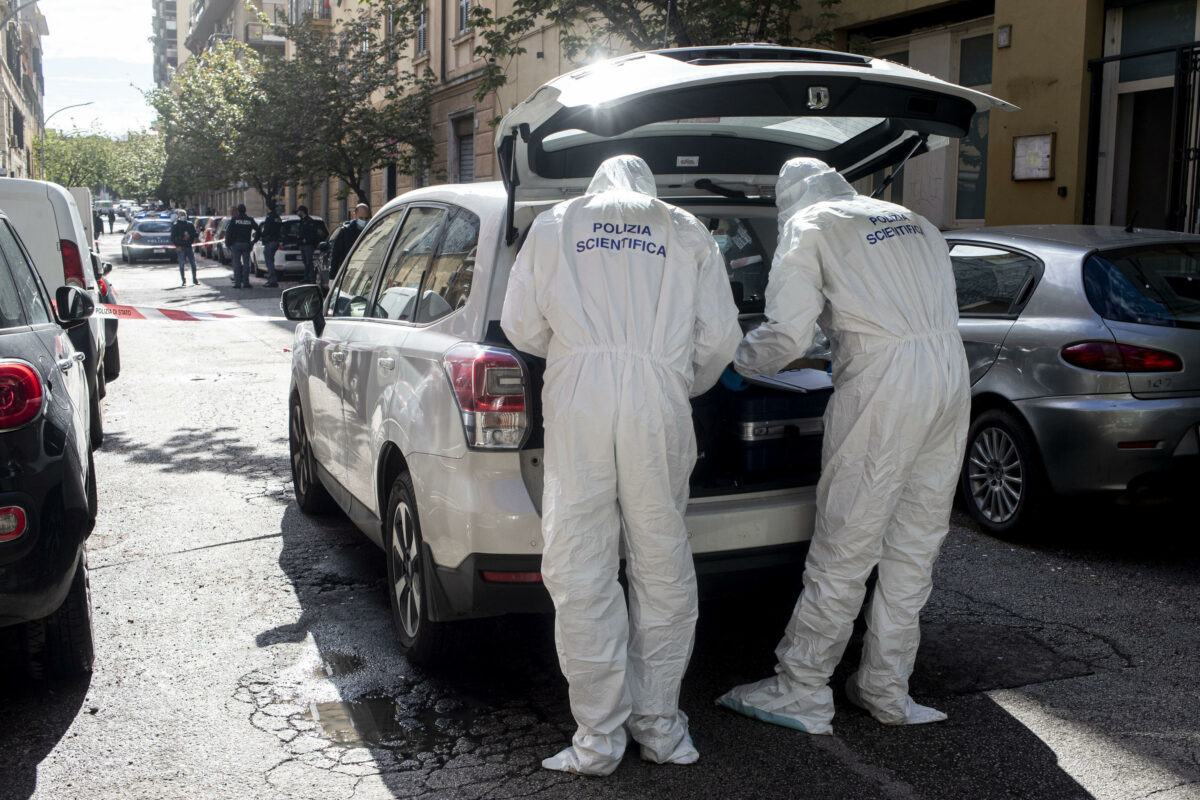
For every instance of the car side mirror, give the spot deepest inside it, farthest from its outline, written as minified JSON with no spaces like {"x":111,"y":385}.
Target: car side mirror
{"x":323,"y":247}
{"x":74,"y":305}
{"x":304,"y":304}
{"x":107,"y":268}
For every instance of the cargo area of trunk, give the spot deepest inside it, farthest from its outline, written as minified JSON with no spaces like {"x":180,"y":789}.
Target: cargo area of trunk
{"x":756,"y":439}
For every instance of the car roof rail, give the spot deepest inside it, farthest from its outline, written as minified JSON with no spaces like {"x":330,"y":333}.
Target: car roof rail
{"x":724,"y":54}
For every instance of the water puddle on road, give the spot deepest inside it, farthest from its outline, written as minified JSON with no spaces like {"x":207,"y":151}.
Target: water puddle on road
{"x":408,"y":724}
{"x":384,"y":722}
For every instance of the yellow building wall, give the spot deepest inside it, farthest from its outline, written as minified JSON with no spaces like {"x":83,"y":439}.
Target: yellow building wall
{"x":1044,"y":72}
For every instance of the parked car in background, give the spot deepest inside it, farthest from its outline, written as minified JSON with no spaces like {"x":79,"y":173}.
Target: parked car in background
{"x":148,"y":240}
{"x":220,"y":252}
{"x":1084,"y":347}
{"x":207,"y":235}
{"x":287,"y":257}
{"x":52,"y":229}
{"x":201,"y":223}
{"x":411,"y":411}
{"x":108,"y":296}
{"x":48,"y":484}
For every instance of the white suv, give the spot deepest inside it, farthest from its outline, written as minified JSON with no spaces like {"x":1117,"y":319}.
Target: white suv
{"x":411,"y":411}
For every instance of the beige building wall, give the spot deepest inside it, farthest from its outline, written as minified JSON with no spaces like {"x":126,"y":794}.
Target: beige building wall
{"x":1044,"y":72}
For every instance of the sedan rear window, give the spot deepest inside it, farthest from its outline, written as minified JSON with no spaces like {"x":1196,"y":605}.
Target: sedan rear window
{"x":1156,"y":285}
{"x":154,"y":227}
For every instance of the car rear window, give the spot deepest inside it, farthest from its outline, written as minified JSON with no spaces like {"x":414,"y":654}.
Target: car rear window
{"x":154,"y":227}
{"x":1154,"y":285}
{"x":291,"y":231}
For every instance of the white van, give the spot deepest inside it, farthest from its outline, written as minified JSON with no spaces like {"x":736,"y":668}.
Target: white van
{"x":52,"y":229}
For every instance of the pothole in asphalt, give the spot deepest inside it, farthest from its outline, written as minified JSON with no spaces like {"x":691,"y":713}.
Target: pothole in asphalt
{"x":335,"y":664}
{"x":384,"y":722}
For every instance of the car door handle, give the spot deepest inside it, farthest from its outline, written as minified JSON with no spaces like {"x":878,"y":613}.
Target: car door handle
{"x":337,"y":357}
{"x":387,"y":363}
{"x":65,"y":364}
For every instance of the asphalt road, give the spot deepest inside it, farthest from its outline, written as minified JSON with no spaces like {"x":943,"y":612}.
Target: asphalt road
{"x":245,"y":650}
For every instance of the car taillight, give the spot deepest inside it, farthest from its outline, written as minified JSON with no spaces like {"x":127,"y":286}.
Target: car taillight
{"x":12,"y":522}
{"x":1113,"y":357}
{"x":489,"y":385}
{"x":103,"y":286}
{"x":135,"y":236}
{"x":72,"y":264}
{"x":20,"y":393}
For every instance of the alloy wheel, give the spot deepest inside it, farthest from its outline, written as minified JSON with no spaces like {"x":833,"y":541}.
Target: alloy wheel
{"x":996,"y":475}
{"x":406,"y":569}
{"x":301,"y":453}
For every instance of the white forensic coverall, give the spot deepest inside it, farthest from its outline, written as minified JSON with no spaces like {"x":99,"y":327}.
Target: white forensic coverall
{"x":879,"y":280}
{"x":628,"y":300}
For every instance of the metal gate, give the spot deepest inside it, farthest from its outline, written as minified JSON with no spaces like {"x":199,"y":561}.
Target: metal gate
{"x":1183,"y":175}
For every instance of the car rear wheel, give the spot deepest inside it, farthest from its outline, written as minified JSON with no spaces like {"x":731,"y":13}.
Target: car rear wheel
{"x":422,"y":640}
{"x":95,"y":412}
{"x":1001,"y":482}
{"x":311,"y":496}
{"x":60,"y":645}
{"x":112,"y":361}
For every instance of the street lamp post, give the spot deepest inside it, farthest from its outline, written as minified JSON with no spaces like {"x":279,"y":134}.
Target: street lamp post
{"x":42,"y":136}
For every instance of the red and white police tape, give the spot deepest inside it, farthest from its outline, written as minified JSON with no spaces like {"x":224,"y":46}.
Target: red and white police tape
{"x":172,"y":314}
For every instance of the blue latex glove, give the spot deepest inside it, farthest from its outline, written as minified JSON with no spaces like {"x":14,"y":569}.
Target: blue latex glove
{"x":732,"y":381}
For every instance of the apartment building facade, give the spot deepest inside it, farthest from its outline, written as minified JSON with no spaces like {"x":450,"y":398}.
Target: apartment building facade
{"x":22,"y":88}
{"x":170,"y":25}
{"x":1109,"y":97}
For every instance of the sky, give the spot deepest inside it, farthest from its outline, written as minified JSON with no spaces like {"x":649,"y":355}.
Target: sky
{"x":98,"y":50}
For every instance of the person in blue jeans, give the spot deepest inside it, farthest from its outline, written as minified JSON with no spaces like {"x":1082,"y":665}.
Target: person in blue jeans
{"x":184,"y":236}
{"x":309,"y":234}
{"x":271,"y":236}
{"x":240,"y":236}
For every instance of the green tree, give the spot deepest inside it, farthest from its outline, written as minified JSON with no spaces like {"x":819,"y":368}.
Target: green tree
{"x":136,"y":165}
{"x":75,"y":159}
{"x":350,"y":104}
{"x":203,"y":115}
{"x":587,"y":27}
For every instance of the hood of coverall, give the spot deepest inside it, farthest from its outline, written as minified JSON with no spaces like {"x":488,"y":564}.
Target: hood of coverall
{"x":623,"y":174}
{"x":805,"y":181}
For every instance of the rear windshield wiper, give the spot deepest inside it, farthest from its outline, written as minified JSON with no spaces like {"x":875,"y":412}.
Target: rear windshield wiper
{"x":707,"y":185}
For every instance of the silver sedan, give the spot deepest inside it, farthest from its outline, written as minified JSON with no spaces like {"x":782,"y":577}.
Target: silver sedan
{"x":1084,"y":349}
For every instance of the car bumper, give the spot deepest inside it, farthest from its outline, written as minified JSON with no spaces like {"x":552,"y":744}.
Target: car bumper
{"x":492,"y":525}
{"x":1114,"y":443}
{"x":287,"y":261}
{"x":36,"y":568}
{"x":163,"y":251}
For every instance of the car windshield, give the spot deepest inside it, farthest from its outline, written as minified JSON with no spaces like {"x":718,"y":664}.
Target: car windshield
{"x":154,"y":227}
{"x":1155,"y":285}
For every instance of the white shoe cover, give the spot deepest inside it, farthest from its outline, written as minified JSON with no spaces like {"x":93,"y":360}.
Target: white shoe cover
{"x":910,"y":712}
{"x":770,"y":700}
{"x":684,"y":753}
{"x":568,"y":760}
{"x":664,"y":739}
